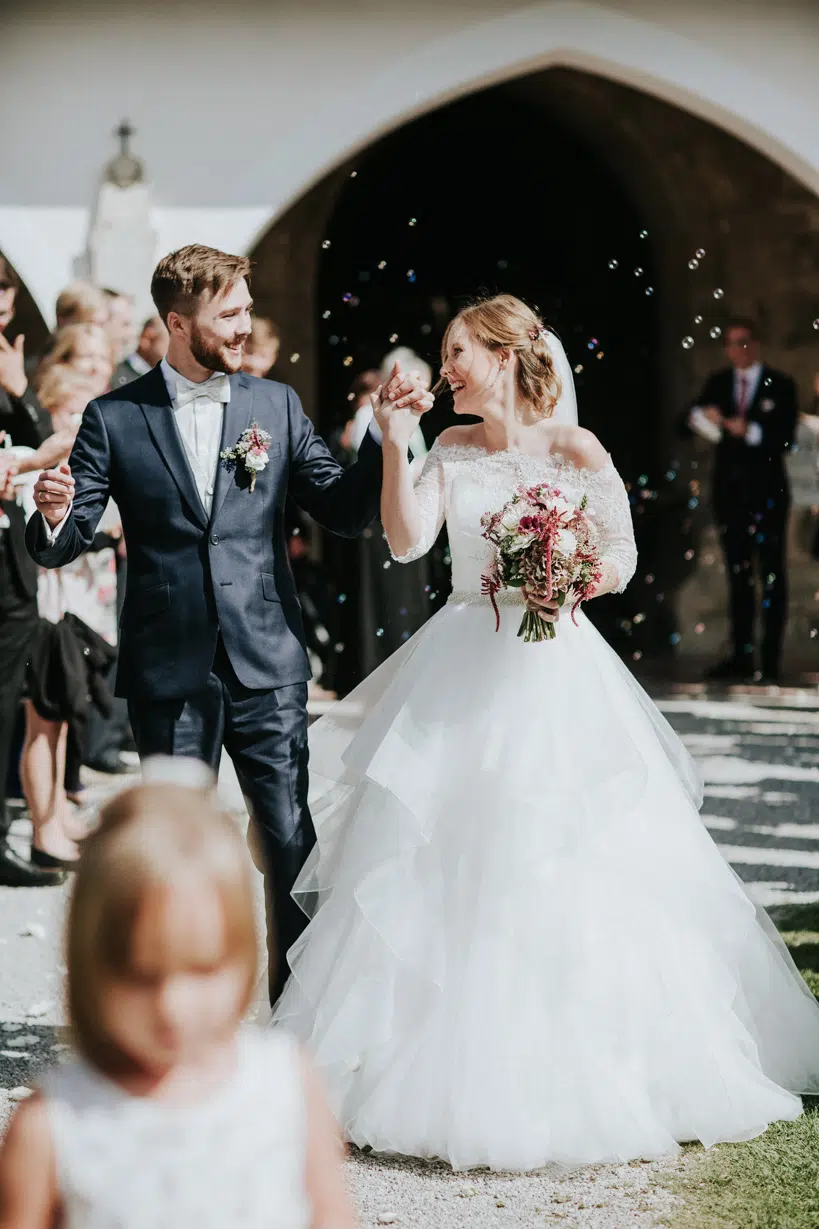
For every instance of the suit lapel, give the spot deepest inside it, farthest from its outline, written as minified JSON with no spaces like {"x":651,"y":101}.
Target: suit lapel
{"x":159,"y":416}
{"x":237,"y":418}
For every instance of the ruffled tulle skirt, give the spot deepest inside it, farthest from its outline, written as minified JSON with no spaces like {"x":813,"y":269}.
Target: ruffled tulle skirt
{"x":525,"y":947}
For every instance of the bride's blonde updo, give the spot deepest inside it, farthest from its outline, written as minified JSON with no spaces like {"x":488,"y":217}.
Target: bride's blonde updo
{"x":504,"y":322}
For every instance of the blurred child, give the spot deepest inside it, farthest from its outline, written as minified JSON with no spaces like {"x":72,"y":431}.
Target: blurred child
{"x":170,"y":1115}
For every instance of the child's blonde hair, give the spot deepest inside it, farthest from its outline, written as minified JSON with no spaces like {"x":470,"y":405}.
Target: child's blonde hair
{"x":59,"y":384}
{"x":149,"y":836}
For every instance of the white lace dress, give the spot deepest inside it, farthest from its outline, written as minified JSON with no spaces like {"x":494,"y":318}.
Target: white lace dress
{"x":234,"y":1160}
{"x":526,"y":947}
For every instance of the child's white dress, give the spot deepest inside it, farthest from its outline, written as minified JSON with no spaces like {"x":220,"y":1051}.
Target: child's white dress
{"x":233,"y":1161}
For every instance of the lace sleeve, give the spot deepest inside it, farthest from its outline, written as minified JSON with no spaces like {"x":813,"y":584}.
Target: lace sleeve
{"x":431,"y":495}
{"x":609,"y":505}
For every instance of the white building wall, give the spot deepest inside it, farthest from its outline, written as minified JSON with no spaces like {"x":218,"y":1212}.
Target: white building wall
{"x":240,"y":108}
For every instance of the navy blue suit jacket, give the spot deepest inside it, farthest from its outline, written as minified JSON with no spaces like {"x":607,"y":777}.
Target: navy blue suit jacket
{"x":192,"y":577}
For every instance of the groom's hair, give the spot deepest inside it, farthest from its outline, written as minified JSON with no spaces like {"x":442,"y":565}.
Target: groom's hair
{"x":183,"y":277}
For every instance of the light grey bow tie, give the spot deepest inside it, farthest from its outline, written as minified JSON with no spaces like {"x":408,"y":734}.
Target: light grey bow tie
{"x":215,"y":388}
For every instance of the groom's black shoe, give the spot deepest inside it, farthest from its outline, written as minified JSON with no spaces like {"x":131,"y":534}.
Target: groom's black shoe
{"x":732,"y":670}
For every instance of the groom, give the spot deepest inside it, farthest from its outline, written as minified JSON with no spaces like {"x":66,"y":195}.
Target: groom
{"x":212,"y":645}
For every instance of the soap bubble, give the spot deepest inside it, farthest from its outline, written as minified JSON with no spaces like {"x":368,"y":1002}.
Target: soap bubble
{"x":326,"y":243}
{"x":687,"y":343}
{"x":643,"y":234}
{"x":382,"y":264}
{"x":638,"y":272}
{"x":698,"y":319}
{"x":294,"y":358}
{"x":413,"y":221}
{"x":816,"y":323}
{"x":348,"y":362}
{"x":693,"y":263}
{"x":649,"y":290}
{"x":718,"y":293}
{"x":700,"y":252}
{"x":326,"y":316}
{"x":614,"y":264}
{"x":716,"y":332}
{"x":393,"y":338}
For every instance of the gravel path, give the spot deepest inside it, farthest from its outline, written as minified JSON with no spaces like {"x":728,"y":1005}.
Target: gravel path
{"x":760,"y":760}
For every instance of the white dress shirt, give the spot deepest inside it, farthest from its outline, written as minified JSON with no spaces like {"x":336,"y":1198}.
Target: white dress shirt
{"x":199,"y":422}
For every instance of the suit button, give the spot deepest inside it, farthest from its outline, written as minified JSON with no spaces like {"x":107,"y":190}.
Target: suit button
{"x":214,"y":540}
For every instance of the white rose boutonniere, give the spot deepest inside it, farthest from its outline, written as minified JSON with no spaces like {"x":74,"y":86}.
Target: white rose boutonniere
{"x":251,"y":450}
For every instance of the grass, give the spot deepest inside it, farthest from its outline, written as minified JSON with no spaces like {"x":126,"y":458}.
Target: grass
{"x":771,"y":1182}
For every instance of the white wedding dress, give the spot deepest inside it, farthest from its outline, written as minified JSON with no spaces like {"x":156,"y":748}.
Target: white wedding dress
{"x":525,"y":946}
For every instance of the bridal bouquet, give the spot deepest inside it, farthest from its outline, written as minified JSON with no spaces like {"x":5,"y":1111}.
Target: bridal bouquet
{"x":545,"y":544}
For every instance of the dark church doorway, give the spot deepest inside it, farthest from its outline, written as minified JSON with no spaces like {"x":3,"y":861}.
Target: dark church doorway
{"x":490,"y":195}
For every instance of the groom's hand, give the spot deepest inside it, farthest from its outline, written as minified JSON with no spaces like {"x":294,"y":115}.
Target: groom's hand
{"x":407,"y":390}
{"x":398,"y":405}
{"x":53,"y":493}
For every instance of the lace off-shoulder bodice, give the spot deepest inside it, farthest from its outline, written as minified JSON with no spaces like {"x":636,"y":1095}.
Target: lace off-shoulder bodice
{"x":459,"y":483}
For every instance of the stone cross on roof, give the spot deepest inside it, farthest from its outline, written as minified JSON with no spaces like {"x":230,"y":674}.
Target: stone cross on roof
{"x":125,"y":170}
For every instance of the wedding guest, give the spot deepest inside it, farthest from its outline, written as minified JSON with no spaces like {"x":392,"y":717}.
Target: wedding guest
{"x":262,"y":347}
{"x":151,"y":349}
{"x":23,"y":421}
{"x":202,"y":1122}
{"x":70,"y":655}
{"x":120,"y":323}
{"x":341,"y":556}
{"x":748,"y":411}
{"x":393,"y":601}
{"x":81,"y":303}
{"x":86,"y":348}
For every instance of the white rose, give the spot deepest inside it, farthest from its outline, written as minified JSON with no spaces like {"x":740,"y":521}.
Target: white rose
{"x":522,"y":542}
{"x":511,"y":518}
{"x":566,"y":542}
{"x":256,"y":461}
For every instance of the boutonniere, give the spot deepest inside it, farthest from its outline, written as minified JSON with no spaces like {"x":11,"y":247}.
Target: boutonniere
{"x":767,"y":405}
{"x":251,"y":450}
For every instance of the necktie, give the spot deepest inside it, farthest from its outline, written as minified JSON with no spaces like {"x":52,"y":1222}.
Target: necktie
{"x":742,"y":397}
{"x":215,"y":388}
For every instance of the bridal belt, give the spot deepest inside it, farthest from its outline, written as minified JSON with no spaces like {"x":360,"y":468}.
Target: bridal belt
{"x":504,"y":597}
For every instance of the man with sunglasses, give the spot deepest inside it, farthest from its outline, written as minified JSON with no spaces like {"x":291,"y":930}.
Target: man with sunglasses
{"x":749,"y":411}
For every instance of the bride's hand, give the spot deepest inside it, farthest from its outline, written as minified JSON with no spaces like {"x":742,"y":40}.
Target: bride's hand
{"x":399,"y":404}
{"x":548,"y":609}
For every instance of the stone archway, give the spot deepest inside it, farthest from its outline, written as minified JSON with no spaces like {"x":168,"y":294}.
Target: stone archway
{"x":624,"y":49}
{"x":697,"y":187}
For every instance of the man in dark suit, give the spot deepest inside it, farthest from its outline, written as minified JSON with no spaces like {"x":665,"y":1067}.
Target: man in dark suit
{"x":151,"y":349}
{"x":23,"y":422}
{"x":212,"y":649}
{"x":749,"y":411}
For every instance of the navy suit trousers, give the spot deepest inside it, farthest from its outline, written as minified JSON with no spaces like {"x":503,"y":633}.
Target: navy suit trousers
{"x":265,"y":734}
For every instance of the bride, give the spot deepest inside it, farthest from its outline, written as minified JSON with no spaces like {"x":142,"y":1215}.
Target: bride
{"x":525,"y":947}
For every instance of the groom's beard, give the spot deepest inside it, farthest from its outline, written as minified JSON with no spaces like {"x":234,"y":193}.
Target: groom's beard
{"x":215,"y":356}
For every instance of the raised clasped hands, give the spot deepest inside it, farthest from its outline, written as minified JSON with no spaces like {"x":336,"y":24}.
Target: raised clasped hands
{"x":53,"y":493}
{"x":399,"y":404}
